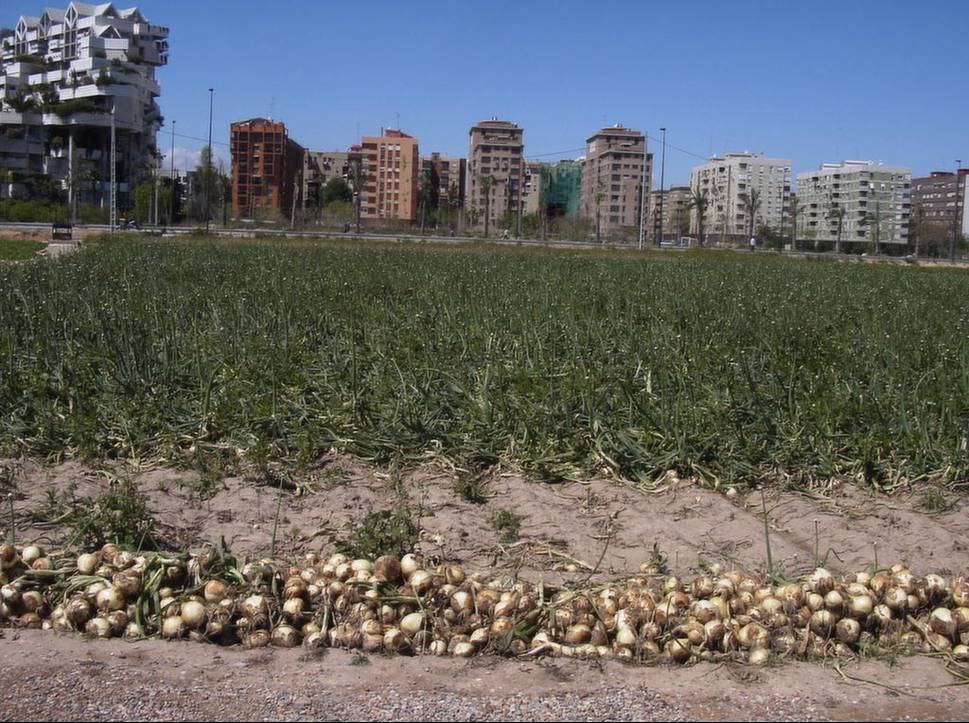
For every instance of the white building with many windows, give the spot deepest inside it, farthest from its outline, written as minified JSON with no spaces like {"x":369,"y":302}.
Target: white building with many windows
{"x":870,"y":201}
{"x":728,"y":182}
{"x":62,"y":77}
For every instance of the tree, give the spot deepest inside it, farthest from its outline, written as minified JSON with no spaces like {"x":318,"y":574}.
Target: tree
{"x":699,"y":200}
{"x":143,"y":196}
{"x":600,"y":194}
{"x":769,"y":238}
{"x":751,"y":203}
{"x":359,"y":178}
{"x":487,"y":181}
{"x":916,"y":220}
{"x":873,"y":219}
{"x":205,"y":173}
{"x":337,"y":189}
{"x":797,"y":210}
{"x":424,"y":186}
{"x":836,"y":214}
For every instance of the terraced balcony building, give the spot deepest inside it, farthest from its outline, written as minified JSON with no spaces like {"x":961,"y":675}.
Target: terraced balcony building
{"x":63,"y":75}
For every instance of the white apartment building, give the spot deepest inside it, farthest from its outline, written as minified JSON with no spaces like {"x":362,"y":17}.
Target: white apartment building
{"x":876,"y":200}
{"x":61,"y":76}
{"x":727,"y":181}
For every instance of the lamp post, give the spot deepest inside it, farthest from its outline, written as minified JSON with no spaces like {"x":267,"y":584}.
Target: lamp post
{"x":208,"y":167}
{"x":171,"y":196}
{"x":642,"y":192}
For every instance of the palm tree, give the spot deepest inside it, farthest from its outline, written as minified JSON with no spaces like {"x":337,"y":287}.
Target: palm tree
{"x":424,"y":194}
{"x":751,"y":203}
{"x":915,"y":224}
{"x":487,"y":181}
{"x":599,"y":196}
{"x":699,"y":200}
{"x":358,"y":179}
{"x":797,"y":210}
{"x":874,"y":219}
{"x":836,"y":213}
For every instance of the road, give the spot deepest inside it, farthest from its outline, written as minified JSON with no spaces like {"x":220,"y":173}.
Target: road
{"x":417,"y":238}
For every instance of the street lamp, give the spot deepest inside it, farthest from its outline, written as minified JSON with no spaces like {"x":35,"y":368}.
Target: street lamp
{"x":208,"y":167}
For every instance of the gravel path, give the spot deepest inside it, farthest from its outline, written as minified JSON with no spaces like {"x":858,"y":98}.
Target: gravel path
{"x":45,"y":676}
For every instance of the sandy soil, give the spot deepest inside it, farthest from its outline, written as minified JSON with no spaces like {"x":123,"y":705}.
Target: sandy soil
{"x":602,"y":525}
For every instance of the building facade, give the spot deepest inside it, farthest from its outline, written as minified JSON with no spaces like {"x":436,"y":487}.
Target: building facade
{"x":450,"y":172}
{"x":871,"y":203}
{"x":729,"y":182}
{"x":319,"y":168}
{"x":495,"y":173}
{"x":64,"y":76}
{"x":612,"y":178}
{"x":675,"y":203}
{"x":940,"y":200}
{"x":266,"y":168}
{"x":535,"y":188}
{"x":392,"y":164}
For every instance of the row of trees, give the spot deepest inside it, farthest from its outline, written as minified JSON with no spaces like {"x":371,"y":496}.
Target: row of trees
{"x":933,"y":238}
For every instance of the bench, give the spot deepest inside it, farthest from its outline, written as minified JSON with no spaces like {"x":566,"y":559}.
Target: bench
{"x":61,"y":232}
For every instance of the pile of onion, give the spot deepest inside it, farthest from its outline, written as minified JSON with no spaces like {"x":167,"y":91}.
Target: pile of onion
{"x":403,"y":606}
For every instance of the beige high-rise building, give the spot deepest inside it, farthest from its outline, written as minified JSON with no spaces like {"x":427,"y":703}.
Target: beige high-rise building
{"x":392,"y":164}
{"x":727,"y":181}
{"x":875,"y":200}
{"x":612,"y":177}
{"x":495,"y":159}
{"x":676,"y":213}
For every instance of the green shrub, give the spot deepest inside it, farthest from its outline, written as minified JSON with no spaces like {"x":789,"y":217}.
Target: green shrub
{"x":119,"y":515}
{"x":387,"y":532}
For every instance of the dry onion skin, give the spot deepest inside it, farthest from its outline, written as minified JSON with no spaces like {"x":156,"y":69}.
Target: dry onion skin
{"x":407,"y":606}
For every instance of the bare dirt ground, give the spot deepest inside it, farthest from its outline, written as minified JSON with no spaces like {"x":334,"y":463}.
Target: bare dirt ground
{"x":603,"y":528}
{"x":602,"y":524}
{"x":46,"y":676}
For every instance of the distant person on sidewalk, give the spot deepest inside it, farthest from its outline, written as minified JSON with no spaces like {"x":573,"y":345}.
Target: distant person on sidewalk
{"x":753,"y":244}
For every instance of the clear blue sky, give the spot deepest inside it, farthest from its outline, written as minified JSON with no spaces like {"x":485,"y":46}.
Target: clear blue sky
{"x":815,"y":81}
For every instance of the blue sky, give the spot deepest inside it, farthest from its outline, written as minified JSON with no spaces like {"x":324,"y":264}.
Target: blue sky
{"x":812,"y":81}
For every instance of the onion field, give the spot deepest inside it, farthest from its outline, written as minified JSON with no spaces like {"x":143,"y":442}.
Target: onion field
{"x":734,"y":368}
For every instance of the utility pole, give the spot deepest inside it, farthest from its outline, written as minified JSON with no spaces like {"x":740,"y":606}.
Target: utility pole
{"x":642,"y":197}
{"x":154,"y":183}
{"x":114,"y":179}
{"x":171,"y":199}
{"x":208,"y":167}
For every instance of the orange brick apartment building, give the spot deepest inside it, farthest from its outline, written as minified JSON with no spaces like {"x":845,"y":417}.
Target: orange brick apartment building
{"x":391,"y":163}
{"x":266,"y":167}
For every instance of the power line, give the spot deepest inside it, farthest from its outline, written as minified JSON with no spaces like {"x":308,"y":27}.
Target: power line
{"x":202,"y":140}
{"x":573,"y":150}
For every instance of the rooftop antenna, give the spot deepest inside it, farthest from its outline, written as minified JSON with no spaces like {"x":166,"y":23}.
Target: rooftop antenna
{"x":398,"y":121}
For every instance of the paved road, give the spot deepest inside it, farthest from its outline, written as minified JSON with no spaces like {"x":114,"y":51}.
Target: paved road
{"x":402,"y":237}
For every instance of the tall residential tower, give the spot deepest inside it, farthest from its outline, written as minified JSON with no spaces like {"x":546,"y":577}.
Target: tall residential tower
{"x":63,"y":77}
